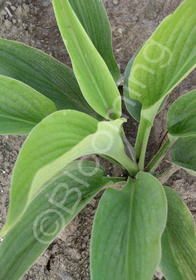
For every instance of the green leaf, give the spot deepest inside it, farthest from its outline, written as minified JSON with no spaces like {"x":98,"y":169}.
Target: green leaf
{"x":126,"y":237}
{"x":133,"y":106}
{"x":166,"y":58}
{"x":21,"y":107}
{"x":93,"y":75}
{"x":47,"y":215}
{"x":50,"y":139}
{"x":55,"y":142}
{"x":178,"y":241}
{"x":93,"y":17}
{"x":43,"y":73}
{"x":181,"y":118}
{"x":183,"y":153}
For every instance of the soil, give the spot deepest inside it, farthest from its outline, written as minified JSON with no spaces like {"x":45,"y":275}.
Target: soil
{"x":132,"y":22}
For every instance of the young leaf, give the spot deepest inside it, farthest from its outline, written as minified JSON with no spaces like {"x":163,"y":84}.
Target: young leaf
{"x":43,"y":73}
{"x":183,"y":153}
{"x":21,"y":107}
{"x":55,"y":142}
{"x":93,"y":75}
{"x":166,"y":58}
{"x":133,"y":106}
{"x":127,"y":231}
{"x":178,"y":241}
{"x":93,"y":17}
{"x":53,"y":209}
{"x":181,"y":118}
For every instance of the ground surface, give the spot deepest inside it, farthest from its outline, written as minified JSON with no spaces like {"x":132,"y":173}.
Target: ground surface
{"x":132,"y":21}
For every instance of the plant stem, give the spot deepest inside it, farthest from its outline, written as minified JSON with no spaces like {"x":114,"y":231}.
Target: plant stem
{"x":124,"y":162}
{"x":156,"y":160}
{"x":142,"y":141}
{"x":130,"y":165}
{"x":146,"y":122}
{"x":130,"y":151}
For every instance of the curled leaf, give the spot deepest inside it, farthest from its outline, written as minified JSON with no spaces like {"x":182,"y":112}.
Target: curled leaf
{"x":181,"y":118}
{"x":93,"y":76}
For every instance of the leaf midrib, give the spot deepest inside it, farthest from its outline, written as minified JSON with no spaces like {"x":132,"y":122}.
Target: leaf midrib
{"x":18,"y":119}
{"x":131,"y":198}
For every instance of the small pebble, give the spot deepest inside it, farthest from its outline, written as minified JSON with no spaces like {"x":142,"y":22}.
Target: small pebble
{"x":115,"y":2}
{"x":14,"y":21}
{"x":13,"y":8}
{"x":18,"y":12}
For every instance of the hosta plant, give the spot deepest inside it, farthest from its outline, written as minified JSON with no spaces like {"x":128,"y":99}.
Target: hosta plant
{"x":139,"y":225}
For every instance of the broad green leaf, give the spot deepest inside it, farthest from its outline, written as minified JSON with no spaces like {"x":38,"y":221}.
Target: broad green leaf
{"x":183,"y":153}
{"x":43,"y":73}
{"x":93,"y":75}
{"x":126,"y":236}
{"x":50,"y":139}
{"x":178,"y":241}
{"x":166,"y":58}
{"x":181,"y":118}
{"x":21,"y":107}
{"x":93,"y":17}
{"x":55,"y":142}
{"x":133,"y":106}
{"x":47,"y":215}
